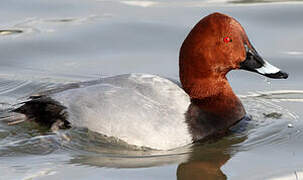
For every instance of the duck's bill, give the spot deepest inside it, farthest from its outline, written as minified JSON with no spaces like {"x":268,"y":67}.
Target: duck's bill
{"x":255,"y":63}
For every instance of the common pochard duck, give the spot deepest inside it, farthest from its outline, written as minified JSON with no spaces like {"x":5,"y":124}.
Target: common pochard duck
{"x":151,"y":111}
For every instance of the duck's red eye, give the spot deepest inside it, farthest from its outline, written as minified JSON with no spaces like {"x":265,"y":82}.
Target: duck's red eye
{"x":227,"y":39}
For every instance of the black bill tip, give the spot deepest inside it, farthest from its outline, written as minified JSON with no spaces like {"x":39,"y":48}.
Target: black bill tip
{"x":278,"y":75}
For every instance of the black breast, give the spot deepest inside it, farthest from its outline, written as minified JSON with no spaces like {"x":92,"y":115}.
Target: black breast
{"x":205,"y":124}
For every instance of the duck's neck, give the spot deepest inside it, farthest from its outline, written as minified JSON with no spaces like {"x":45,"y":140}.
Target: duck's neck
{"x":214,"y":107}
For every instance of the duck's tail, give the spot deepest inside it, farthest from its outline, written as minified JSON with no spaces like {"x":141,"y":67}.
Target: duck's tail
{"x":43,"y":110}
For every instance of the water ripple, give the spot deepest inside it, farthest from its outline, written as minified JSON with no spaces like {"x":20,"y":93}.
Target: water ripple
{"x":38,"y":25}
{"x":5,"y":32}
{"x":272,"y":123}
{"x":280,"y":95}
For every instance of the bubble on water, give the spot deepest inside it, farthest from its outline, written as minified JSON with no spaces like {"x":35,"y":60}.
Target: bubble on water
{"x":267,"y":80}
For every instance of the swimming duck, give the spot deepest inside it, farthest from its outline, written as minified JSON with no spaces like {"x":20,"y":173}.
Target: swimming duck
{"x":151,"y":111}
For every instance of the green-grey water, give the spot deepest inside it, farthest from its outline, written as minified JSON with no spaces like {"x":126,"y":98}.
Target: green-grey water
{"x":47,"y":43}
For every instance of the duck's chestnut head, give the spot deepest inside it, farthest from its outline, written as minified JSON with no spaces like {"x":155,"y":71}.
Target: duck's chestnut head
{"x":217,"y":44}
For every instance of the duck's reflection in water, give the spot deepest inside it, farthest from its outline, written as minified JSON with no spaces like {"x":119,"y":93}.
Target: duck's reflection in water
{"x":205,"y":161}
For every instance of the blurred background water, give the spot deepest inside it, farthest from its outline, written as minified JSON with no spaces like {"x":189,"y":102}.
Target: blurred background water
{"x":47,"y":43}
